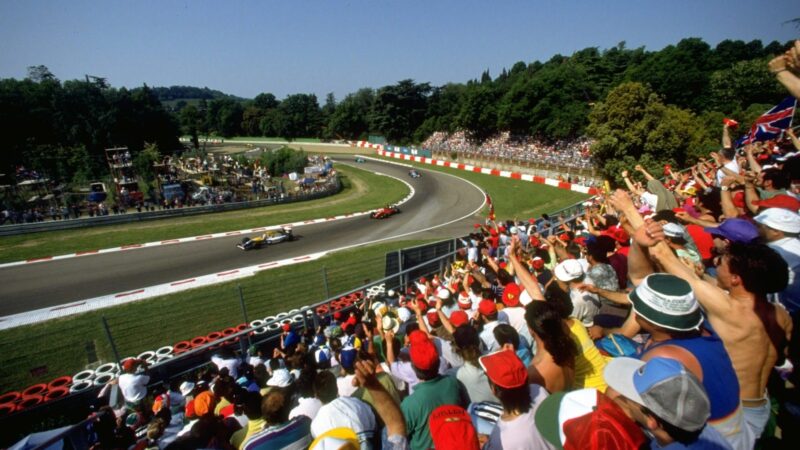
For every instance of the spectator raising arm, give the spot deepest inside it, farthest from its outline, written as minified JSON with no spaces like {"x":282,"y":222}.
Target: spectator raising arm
{"x":728,"y":208}
{"x":387,"y":409}
{"x":713,"y":299}
{"x":644,"y":172}
{"x":529,"y":283}
{"x":780,"y":67}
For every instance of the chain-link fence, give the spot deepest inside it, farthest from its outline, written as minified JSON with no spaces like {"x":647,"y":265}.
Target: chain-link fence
{"x":40,"y":353}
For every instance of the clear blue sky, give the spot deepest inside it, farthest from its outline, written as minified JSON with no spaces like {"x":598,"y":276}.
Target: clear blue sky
{"x":317,"y":46}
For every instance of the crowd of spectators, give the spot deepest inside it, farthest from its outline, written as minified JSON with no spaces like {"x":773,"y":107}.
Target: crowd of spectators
{"x":566,"y":154}
{"x":661,"y":318}
{"x":237,"y":180}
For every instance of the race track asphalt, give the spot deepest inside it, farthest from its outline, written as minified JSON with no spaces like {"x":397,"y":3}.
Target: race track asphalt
{"x":439,"y":199}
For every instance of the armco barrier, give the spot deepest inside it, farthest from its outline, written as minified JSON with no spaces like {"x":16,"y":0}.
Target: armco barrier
{"x":85,"y":222}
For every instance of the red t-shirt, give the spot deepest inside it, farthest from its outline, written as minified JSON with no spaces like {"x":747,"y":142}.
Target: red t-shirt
{"x":703,"y":240}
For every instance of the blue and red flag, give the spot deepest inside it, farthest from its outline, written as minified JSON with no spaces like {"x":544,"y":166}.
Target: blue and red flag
{"x":771,"y":124}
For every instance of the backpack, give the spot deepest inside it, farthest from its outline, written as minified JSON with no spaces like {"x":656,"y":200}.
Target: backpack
{"x":615,"y":345}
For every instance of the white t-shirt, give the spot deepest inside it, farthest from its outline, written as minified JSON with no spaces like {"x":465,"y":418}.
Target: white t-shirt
{"x":732,"y":166}
{"x":345,"y":385}
{"x":585,"y":306}
{"x":477,"y":384}
{"x":231,"y":364}
{"x":520,"y":433}
{"x":487,"y":336}
{"x":516,"y":318}
{"x":133,"y":387}
{"x":306,"y":407}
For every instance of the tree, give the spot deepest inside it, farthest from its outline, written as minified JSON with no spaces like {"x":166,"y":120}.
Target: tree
{"x":633,"y":126}
{"x":40,"y":74}
{"x":478,"y":113}
{"x":265,"y":101}
{"x":679,"y":73}
{"x":398,"y":110}
{"x":191,"y":122}
{"x":742,"y":84}
{"x":301,"y":116}
{"x":284,"y":160}
{"x":350,"y":119}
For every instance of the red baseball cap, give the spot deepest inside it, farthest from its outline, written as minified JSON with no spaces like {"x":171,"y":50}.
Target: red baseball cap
{"x":618,"y":234}
{"x":738,"y":199}
{"x":537,"y":263}
{"x":487,"y":307}
{"x":337,"y":315}
{"x":586,"y":419}
{"x":511,"y":295}
{"x":458,"y":318}
{"x":129,"y":365}
{"x":505,"y":369}
{"x":287,"y":327}
{"x":451,"y":428}
{"x":564,"y":237}
{"x":433,"y":318}
{"x":423,"y":352}
{"x":780,"y":201}
{"x":607,"y":427}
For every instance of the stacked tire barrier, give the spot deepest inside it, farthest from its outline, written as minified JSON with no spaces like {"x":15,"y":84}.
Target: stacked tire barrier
{"x":35,"y":395}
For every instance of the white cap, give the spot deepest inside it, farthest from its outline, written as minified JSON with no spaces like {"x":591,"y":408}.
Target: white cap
{"x":443,"y":294}
{"x":568,"y":270}
{"x":780,"y":219}
{"x":186,"y":388}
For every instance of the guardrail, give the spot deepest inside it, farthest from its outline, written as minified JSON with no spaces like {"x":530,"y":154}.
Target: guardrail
{"x":85,"y":222}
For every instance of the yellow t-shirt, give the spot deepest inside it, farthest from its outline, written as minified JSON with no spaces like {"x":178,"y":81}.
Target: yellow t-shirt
{"x":242,"y":435}
{"x":222,"y":403}
{"x":589,"y":363}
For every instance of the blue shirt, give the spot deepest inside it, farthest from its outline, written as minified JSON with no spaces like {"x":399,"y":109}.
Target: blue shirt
{"x":709,"y":439}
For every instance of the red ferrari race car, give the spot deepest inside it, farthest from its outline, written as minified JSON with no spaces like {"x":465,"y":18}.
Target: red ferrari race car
{"x":385,"y":212}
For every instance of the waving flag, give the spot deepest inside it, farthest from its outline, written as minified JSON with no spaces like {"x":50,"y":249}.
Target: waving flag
{"x":771,"y":124}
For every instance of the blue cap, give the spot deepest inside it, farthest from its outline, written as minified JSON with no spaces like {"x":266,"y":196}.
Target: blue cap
{"x":347,"y":358}
{"x":735,"y":230}
{"x":663,"y":386}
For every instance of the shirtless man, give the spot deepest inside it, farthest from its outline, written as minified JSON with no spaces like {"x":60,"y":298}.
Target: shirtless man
{"x":753,"y":331}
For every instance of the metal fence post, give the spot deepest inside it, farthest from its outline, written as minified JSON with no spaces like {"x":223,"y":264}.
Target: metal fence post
{"x":111,"y":340}
{"x":244,"y":342}
{"x":325,"y":283}
{"x":400,"y":271}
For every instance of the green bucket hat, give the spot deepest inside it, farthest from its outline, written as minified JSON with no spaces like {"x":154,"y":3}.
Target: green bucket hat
{"x":668,"y":302}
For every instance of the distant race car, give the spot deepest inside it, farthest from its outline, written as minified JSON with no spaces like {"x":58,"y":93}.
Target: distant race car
{"x":267,"y":238}
{"x":385,"y":212}
{"x":360,"y":159}
{"x":413,"y":173}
